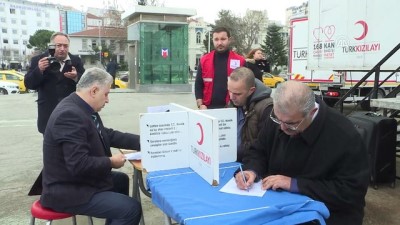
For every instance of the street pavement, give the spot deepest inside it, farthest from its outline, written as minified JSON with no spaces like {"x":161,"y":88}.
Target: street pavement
{"x":21,"y":156}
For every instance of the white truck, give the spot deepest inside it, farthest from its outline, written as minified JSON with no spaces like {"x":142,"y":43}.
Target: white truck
{"x":340,"y":41}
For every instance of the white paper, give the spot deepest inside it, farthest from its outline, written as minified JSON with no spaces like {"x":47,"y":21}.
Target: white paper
{"x":133,"y":156}
{"x":232,"y":188}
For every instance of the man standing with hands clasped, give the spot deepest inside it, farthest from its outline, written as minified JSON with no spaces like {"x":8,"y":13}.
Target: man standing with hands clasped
{"x":309,"y":148}
{"x":212,"y":74}
{"x":77,"y":176}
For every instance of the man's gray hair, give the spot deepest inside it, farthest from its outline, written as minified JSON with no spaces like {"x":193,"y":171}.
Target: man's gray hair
{"x":245,"y":74}
{"x":58,"y":34}
{"x":294,"y":95}
{"x":94,"y":76}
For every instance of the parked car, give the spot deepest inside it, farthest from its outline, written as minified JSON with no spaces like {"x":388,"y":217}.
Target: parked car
{"x":14,"y":77}
{"x":120,"y":84}
{"x":124,"y":75}
{"x":8,"y":88}
{"x":271,"y":80}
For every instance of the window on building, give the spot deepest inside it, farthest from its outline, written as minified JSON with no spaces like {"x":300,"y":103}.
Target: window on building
{"x":112,"y":45}
{"x":94,"y":43}
{"x":39,"y":23}
{"x":5,"y":41}
{"x":15,"y":42}
{"x":12,"y":11}
{"x":3,"y":20}
{"x":84,"y":44}
{"x":47,"y":24}
{"x":15,"y":52}
{"x":6,"y":52}
{"x":198,"y":38}
{"x":22,"y":12}
{"x":25,"y":42}
{"x":14,"y":21}
{"x":103,"y":42}
{"x":256,"y":40}
{"x":4,"y":30}
{"x":121,"y":58}
{"x":38,"y":14}
{"x":15,"y":31}
{"x":1,"y":9}
{"x":23,"y":22}
{"x":24,"y":32}
{"x":122,"y":45}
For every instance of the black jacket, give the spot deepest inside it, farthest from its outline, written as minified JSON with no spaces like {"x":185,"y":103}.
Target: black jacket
{"x":329,"y":161}
{"x":75,"y":157}
{"x":256,"y":111}
{"x":52,"y":86}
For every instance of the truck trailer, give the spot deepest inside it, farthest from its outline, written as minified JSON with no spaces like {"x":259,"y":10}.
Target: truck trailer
{"x":339,"y":42}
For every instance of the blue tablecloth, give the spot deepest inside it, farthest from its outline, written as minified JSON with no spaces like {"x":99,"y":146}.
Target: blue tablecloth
{"x":188,"y":199}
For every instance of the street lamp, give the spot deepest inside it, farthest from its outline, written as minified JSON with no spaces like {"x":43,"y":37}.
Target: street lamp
{"x":100,"y":47}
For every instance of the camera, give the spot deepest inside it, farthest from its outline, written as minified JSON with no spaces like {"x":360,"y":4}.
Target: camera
{"x":54,"y":64}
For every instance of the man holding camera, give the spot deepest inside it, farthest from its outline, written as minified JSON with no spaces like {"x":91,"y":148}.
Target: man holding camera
{"x":54,"y":75}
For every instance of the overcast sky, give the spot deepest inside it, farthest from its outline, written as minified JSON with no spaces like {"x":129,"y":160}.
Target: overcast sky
{"x":208,"y":9}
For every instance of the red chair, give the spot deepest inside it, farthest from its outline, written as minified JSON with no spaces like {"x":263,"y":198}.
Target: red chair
{"x":39,"y":212}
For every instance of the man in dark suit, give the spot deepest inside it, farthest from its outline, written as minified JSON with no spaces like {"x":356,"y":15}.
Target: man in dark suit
{"x":77,"y":176}
{"x":54,"y":76}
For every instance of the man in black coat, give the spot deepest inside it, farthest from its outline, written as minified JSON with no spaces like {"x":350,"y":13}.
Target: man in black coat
{"x":53,"y":77}
{"x":112,"y":68}
{"x":77,"y":176}
{"x":309,"y":148}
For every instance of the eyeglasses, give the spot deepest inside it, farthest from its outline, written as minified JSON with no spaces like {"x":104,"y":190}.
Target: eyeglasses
{"x":290,"y":126}
{"x":62,"y":45}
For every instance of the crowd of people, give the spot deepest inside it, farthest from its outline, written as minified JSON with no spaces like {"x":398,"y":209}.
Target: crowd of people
{"x":285,"y":141}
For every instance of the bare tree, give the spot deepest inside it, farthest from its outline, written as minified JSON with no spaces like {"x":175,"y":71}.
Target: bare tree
{"x":252,"y":24}
{"x":244,"y":31}
{"x":148,"y":2}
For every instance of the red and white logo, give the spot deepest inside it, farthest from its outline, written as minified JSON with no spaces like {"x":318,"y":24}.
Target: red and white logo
{"x":164,"y":52}
{"x":365,"y":29}
{"x":200,"y":141}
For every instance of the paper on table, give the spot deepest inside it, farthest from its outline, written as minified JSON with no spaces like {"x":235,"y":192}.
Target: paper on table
{"x":133,"y":156}
{"x":231,"y":188}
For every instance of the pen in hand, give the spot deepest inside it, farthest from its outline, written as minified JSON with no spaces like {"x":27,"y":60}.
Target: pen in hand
{"x":244,"y":178}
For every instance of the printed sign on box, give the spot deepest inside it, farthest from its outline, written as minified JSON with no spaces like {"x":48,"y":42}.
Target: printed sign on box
{"x":174,"y":136}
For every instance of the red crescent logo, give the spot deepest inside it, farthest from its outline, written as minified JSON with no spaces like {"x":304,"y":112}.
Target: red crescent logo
{"x":200,"y":142}
{"x":365,"y":27}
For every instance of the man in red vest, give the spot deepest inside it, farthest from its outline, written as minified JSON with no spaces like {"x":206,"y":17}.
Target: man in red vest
{"x":213,"y":71}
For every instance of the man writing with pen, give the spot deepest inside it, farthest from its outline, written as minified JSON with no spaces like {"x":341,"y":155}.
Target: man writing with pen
{"x":309,"y":148}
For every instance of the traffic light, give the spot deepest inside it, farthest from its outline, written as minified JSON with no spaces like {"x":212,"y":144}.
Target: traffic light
{"x":105,"y":54}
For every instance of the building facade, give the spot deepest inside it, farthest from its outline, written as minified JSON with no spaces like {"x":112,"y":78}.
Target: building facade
{"x":19,"y":20}
{"x":198,"y":32}
{"x":72,"y":20}
{"x":99,"y":45}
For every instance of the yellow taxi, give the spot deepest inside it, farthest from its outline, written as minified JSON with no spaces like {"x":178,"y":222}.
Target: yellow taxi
{"x":119,"y":83}
{"x":14,"y":77}
{"x":271,"y":80}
